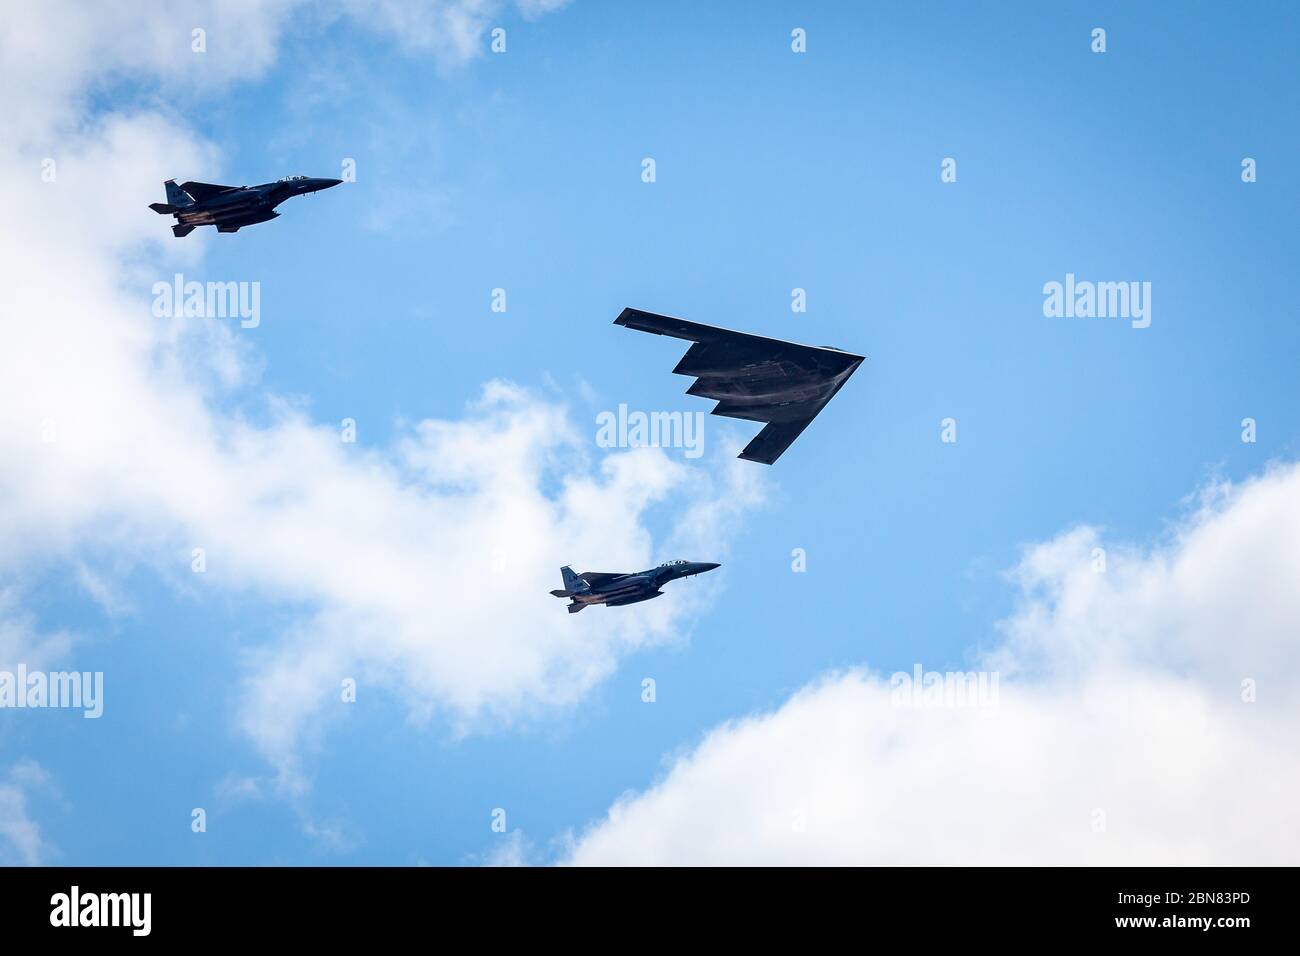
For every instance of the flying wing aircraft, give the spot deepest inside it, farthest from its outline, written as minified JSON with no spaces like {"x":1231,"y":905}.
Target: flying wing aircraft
{"x":753,"y":377}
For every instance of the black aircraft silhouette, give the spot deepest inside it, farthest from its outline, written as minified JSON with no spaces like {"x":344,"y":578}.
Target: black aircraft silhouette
{"x":230,"y":208}
{"x":753,"y":377}
{"x":594,"y":587}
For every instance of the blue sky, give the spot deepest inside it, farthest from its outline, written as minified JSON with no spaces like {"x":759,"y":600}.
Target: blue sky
{"x":774,"y":171}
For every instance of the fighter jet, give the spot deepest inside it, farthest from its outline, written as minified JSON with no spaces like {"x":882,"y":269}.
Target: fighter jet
{"x":230,"y":208}
{"x":594,"y":587}
{"x":753,"y":377}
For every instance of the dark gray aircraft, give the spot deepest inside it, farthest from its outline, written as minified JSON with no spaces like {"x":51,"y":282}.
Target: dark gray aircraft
{"x":594,"y":587}
{"x":753,"y":377}
{"x":230,"y":208}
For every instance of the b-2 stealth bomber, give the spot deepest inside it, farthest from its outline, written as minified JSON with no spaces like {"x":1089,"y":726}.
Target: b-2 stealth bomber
{"x":753,"y":377}
{"x":230,"y":208}
{"x":595,"y":587}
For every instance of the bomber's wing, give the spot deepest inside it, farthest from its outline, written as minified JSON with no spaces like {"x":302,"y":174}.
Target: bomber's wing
{"x":597,"y":578}
{"x":202,"y":191}
{"x":754,"y":377}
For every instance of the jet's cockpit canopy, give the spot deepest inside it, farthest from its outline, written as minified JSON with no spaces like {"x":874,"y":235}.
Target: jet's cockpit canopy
{"x":290,"y":179}
{"x":669,"y":564}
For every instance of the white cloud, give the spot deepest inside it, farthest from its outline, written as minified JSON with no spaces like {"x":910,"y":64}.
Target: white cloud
{"x":22,"y":641}
{"x":54,"y":52}
{"x":1120,"y":704}
{"x":455,"y":31}
{"x":509,"y":849}
{"x":392,"y":555}
{"x":20,"y":836}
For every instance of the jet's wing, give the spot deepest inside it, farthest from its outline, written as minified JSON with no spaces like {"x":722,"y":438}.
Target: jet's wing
{"x":202,"y":191}
{"x":774,"y":439}
{"x":597,"y":578}
{"x":753,"y":377}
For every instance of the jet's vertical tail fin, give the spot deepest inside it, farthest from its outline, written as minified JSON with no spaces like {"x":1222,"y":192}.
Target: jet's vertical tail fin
{"x":572,"y":583}
{"x":176,"y":196}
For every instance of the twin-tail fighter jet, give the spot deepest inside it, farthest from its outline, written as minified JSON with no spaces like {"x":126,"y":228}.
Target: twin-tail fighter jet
{"x":230,"y":208}
{"x":595,"y":587}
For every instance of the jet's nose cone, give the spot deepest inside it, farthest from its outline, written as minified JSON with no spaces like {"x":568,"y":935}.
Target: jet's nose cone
{"x":707,"y":566}
{"x":316,"y":185}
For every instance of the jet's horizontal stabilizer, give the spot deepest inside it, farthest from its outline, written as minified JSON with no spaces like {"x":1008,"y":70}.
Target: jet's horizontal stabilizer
{"x":575,"y":608}
{"x":179,"y":231}
{"x":162,"y":208}
{"x":562,"y":593}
